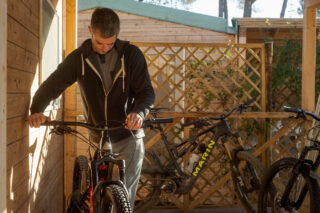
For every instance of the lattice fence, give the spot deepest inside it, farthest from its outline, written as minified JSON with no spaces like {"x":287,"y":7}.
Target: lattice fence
{"x":205,"y":78}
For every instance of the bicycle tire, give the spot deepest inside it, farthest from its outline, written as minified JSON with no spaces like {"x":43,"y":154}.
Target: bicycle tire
{"x":80,"y":174}
{"x":251,"y":177}
{"x":115,"y":200}
{"x":148,"y":181}
{"x":79,"y":201}
{"x":274,"y":176}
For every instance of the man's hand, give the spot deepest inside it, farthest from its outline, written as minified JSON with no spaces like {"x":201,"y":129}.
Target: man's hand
{"x":134,"y":121}
{"x":36,"y":119}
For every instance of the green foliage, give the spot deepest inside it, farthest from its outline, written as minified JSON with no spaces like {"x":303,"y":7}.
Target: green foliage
{"x":287,"y":69}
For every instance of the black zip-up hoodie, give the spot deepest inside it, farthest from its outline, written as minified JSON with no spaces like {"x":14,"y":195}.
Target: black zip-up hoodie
{"x":131,"y":90}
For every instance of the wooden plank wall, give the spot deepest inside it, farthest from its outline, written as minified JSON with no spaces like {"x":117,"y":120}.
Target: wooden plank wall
{"x":143,"y":29}
{"x":3,"y":104}
{"x":34,"y":159}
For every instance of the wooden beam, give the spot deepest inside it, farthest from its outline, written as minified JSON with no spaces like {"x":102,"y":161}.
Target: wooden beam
{"x":308,"y":59}
{"x":70,"y":95}
{"x":254,"y":115}
{"x":3,"y":105}
{"x":311,"y":3}
{"x":282,"y":23}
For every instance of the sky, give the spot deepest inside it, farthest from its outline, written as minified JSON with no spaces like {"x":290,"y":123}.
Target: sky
{"x":261,"y":8}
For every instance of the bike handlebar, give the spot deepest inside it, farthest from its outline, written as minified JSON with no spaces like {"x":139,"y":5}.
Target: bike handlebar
{"x":240,"y":107}
{"x":146,"y":123}
{"x":300,"y":112}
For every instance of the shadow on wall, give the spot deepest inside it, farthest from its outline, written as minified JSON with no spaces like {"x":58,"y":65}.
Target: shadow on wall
{"x":36,"y":181}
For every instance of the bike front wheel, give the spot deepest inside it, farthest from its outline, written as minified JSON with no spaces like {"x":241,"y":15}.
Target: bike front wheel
{"x":115,"y":200}
{"x":79,"y":201}
{"x":247,"y":177}
{"x":279,"y":175}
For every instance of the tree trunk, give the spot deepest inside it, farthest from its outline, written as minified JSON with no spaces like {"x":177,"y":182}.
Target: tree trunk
{"x":226,"y":9}
{"x":221,"y":6}
{"x":248,"y":8}
{"x":284,"y":7}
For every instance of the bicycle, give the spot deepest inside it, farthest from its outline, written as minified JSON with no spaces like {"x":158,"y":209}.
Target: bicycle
{"x":293,"y":178}
{"x":94,"y":190}
{"x":172,"y":177}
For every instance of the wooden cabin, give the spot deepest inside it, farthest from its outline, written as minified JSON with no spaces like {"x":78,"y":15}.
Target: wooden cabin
{"x":141,"y":22}
{"x":260,"y":30}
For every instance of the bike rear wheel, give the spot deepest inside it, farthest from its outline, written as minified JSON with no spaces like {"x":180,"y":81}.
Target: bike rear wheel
{"x":247,"y":180}
{"x":115,"y":200}
{"x":149,"y":184}
{"x":279,"y":174}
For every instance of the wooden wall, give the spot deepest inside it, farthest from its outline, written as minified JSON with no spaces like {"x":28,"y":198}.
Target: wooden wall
{"x":34,"y":158}
{"x":143,"y":29}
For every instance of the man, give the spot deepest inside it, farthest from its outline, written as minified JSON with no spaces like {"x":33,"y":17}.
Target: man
{"x":115,"y":85}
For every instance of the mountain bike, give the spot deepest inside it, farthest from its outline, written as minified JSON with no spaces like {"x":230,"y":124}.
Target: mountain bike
{"x":295,"y":180}
{"x":174,"y":177}
{"x":94,"y":189}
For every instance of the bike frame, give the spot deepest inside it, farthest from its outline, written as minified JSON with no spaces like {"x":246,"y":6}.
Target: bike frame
{"x":223,"y":131}
{"x":101,"y":167}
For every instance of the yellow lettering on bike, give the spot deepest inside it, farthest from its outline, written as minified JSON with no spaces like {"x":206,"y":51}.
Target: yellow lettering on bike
{"x":204,"y":158}
{"x":195,"y":173}
{"x":201,"y":163}
{"x":211,"y":144}
{"x":205,"y":155}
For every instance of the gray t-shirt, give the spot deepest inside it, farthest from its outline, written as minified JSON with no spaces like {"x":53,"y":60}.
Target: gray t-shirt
{"x":107,"y":64}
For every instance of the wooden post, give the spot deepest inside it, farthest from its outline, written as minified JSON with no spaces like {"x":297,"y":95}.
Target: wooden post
{"x":70,"y":95}
{"x":269,"y":56}
{"x":268,"y":62}
{"x":3,"y":105}
{"x":308,"y":59}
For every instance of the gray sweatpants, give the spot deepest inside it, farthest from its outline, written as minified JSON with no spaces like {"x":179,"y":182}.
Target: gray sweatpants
{"x":132,"y":151}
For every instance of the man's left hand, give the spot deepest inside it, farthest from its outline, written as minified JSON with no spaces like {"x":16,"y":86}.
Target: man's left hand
{"x":134,"y":121}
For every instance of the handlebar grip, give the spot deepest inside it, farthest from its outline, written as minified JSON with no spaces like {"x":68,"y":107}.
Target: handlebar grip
{"x":189,"y":123}
{"x":291,"y":109}
{"x":250,"y":101}
{"x":158,"y":120}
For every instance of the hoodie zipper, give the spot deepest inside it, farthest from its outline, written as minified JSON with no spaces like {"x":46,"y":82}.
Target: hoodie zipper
{"x":104,"y":89}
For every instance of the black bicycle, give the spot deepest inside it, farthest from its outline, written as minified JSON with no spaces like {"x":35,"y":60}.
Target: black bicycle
{"x":295,"y":180}
{"x":178,"y":178}
{"x":94,"y":189}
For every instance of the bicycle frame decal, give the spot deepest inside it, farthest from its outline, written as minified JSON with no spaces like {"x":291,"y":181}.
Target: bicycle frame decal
{"x":203,"y":158}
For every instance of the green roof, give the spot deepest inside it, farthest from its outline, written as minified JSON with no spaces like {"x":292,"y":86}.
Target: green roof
{"x":161,"y":13}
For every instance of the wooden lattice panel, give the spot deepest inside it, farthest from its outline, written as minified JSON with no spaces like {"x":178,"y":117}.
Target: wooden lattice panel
{"x":206,"y":77}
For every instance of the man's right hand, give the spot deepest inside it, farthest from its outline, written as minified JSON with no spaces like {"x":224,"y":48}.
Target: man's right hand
{"x":36,"y":119}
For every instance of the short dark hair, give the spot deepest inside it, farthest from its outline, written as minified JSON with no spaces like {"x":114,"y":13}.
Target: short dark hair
{"x":106,"y":21}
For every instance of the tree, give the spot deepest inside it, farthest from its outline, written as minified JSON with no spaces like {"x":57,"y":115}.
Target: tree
{"x":223,"y":9}
{"x":248,"y":8}
{"x":283,"y":9}
{"x":300,"y":9}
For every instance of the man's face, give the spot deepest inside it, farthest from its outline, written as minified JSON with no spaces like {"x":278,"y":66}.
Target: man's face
{"x":101,"y":45}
